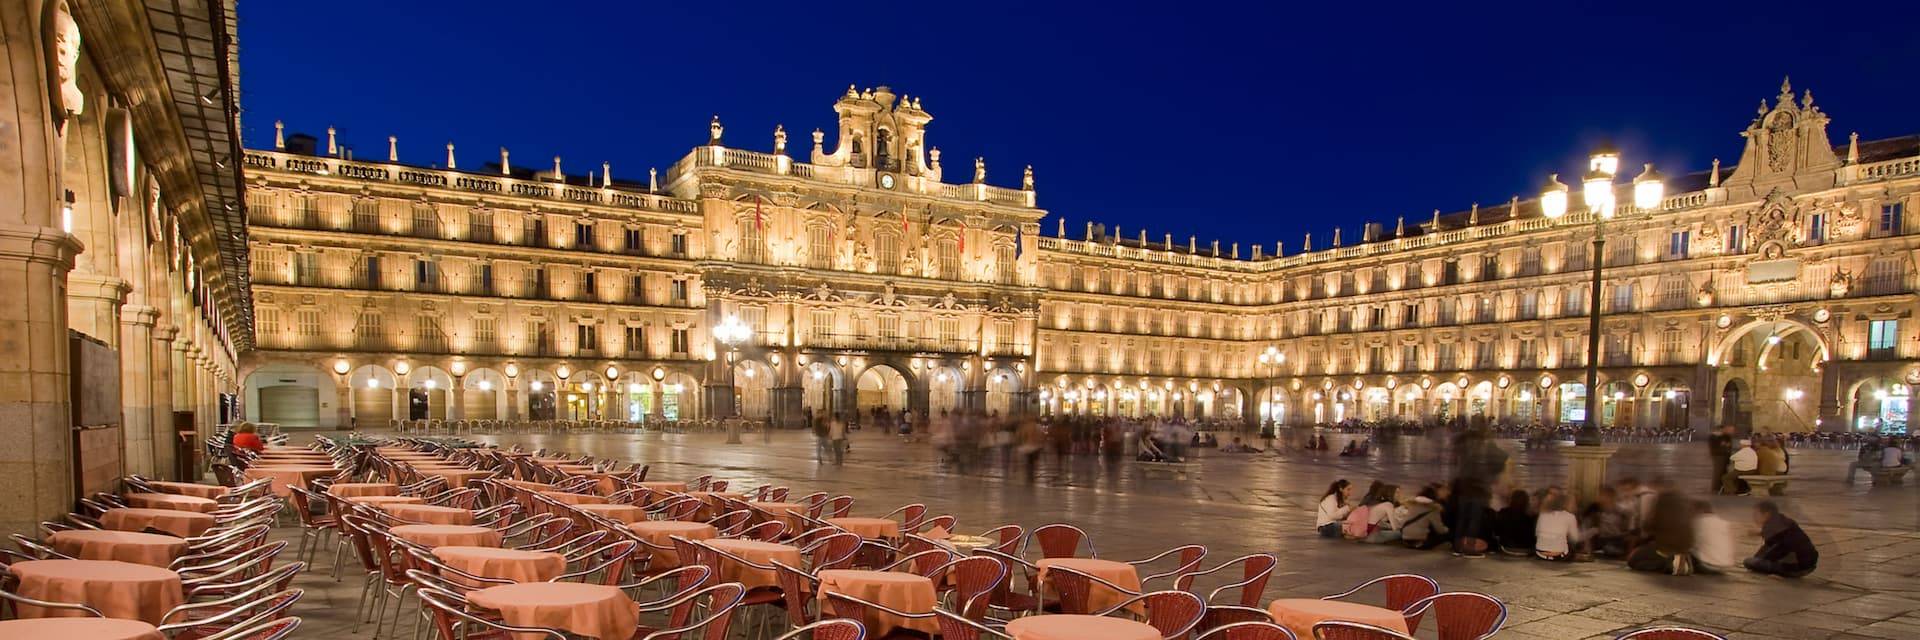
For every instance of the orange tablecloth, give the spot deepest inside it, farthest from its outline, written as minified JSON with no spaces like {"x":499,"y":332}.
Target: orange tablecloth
{"x":1099,"y":598}
{"x":780,"y":512}
{"x":448,"y":535}
{"x":762,"y":553}
{"x":586,"y":609}
{"x":574,"y":498}
{"x":172,"y":501}
{"x":1300,"y":614}
{"x":663,"y":485}
{"x":456,"y":478}
{"x":291,"y":474}
{"x":386,"y":500}
{"x":621,"y":513}
{"x":117,"y":589}
{"x":1078,"y":627}
{"x":658,"y":532}
{"x":360,"y":489}
{"x":125,"y":546}
{"x":869,"y":528}
{"x":895,"y":590}
{"x":196,"y":490}
{"x":529,"y":485}
{"x":185,"y":524}
{"x":428,"y":514}
{"x":78,"y":629}
{"x":505,"y":564}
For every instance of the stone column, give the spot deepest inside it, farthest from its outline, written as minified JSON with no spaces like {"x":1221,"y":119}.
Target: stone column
{"x":343,"y":403}
{"x":1830,"y":416}
{"x":144,"y":434}
{"x":457,"y":402}
{"x":36,"y":465}
{"x":160,"y":399}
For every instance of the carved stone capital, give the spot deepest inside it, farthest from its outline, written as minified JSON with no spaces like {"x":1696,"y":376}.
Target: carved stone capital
{"x":139,"y":315}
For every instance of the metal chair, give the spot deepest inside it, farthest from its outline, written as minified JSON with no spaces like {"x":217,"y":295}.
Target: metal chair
{"x":1343,"y":630}
{"x":835,"y":629}
{"x":1255,"y":570}
{"x":1253,"y":630}
{"x":1403,"y":589}
{"x":1061,"y":540}
{"x":1669,"y":633}
{"x":1461,"y":615}
{"x":1173,"y":613}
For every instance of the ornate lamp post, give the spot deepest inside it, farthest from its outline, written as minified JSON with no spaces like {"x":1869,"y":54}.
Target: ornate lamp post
{"x":732,"y":333}
{"x":1271,"y":359}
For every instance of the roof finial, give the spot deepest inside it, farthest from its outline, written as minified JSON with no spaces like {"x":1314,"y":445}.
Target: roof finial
{"x":1713,"y":180}
{"x":1513,"y":208}
{"x":1306,"y":246}
{"x":333,"y":148}
{"x":606,"y":174}
{"x":1026,"y":180}
{"x":1853,"y":148}
{"x":279,"y":135}
{"x":653,"y":180}
{"x":1473,"y":218}
{"x":557,"y":175}
{"x":1400,"y":228}
{"x":393,"y":148}
{"x":779,"y":139}
{"x":1336,"y":237}
{"x":1062,"y":232}
{"x":505,"y":169}
{"x":1436,"y":220}
{"x":714,"y":130}
{"x":1806,"y":99}
{"x":1786,"y":90}
{"x":979,"y":170}
{"x":450,"y":163}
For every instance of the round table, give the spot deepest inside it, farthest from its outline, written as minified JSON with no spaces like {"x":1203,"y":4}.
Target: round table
{"x":893,"y":589}
{"x":869,"y":528}
{"x":1300,"y":614}
{"x":386,"y":500}
{"x":172,"y":501}
{"x":1099,"y":598}
{"x":452,"y":535}
{"x":1079,"y":627}
{"x":591,"y":610}
{"x":429,"y":514}
{"x":360,"y":489}
{"x":505,"y":564}
{"x":757,"y":552}
{"x":787,"y":513}
{"x":208,"y":491}
{"x":283,"y":476}
{"x":79,"y":629}
{"x":574,"y":498}
{"x":621,"y":513}
{"x":664,"y":485}
{"x":126,"y":546}
{"x":659,"y":533}
{"x":185,"y":524}
{"x":116,"y":589}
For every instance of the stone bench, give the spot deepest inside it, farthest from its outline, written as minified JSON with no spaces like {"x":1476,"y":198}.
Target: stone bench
{"x":1890,"y":475}
{"x":1766,"y":485}
{"x":1182,"y":470}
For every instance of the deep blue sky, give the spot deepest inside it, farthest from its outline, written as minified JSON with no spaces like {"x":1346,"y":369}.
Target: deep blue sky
{"x":1246,"y":123}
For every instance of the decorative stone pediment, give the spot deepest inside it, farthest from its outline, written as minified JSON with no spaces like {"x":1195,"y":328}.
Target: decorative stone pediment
{"x":1786,"y":146}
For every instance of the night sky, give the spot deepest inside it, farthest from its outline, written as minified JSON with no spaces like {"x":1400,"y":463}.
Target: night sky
{"x":1242,"y":123}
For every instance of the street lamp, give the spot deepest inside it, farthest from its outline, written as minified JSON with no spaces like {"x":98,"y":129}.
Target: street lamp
{"x":731,"y":332}
{"x":1597,"y":192}
{"x":1271,"y":359}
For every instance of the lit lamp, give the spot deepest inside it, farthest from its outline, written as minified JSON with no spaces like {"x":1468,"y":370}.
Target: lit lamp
{"x":1272,"y":358}
{"x":731,"y":332}
{"x":341,"y":366}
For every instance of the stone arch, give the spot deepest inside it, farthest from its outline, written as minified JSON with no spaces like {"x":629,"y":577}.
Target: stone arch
{"x":291,"y":394}
{"x":881,"y":386}
{"x":373,"y":391}
{"x":542,"y":394}
{"x":945,"y":384}
{"x":1671,"y":399}
{"x":482,"y":390}
{"x":680,"y":397}
{"x":822,"y":382}
{"x":429,"y":391}
{"x":753,"y":382}
{"x":1003,"y":391}
{"x":1878,"y":404}
{"x":1735,"y":406}
{"x":1718,"y":353}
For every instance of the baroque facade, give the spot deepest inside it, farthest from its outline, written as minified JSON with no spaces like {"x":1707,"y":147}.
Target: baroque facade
{"x":1776,"y":293}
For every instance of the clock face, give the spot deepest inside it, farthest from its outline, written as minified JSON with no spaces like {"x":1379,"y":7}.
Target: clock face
{"x":886,"y":181}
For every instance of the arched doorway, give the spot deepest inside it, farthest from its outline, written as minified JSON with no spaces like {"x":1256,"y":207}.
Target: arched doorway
{"x":943,"y":390}
{"x":1573,"y":403}
{"x":753,"y":389}
{"x":1617,"y":401}
{"x":289,"y":395}
{"x":543,"y":391}
{"x":1480,"y":399}
{"x":1002,"y":387}
{"x":819,"y":393}
{"x":427,"y":391}
{"x":1882,"y":405}
{"x":679,"y":399}
{"x":1733,"y":405}
{"x":1525,"y":403}
{"x":1376,"y":403}
{"x":881,"y":387}
{"x":1671,"y":400}
{"x":1446,"y":409}
{"x":481,"y":399}
{"x":373,"y":392}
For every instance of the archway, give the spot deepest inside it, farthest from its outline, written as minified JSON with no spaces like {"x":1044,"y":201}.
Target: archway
{"x":1525,"y":407}
{"x":1446,"y":409}
{"x":1617,"y":401}
{"x":542,"y":394}
{"x":1733,"y":404}
{"x":1480,"y":399}
{"x":289,"y":394}
{"x":1002,"y":387}
{"x":1671,"y":399}
{"x":1882,"y":405}
{"x":753,"y":389}
{"x":585,"y":399}
{"x":820,"y":387}
{"x":679,"y":398}
{"x":943,"y":390}
{"x":373,"y":389}
{"x":481,"y":398}
{"x":881,"y":388}
{"x":427,"y":392}
{"x":1573,"y":403}
{"x":1408,"y":399}
{"x":1376,"y":403}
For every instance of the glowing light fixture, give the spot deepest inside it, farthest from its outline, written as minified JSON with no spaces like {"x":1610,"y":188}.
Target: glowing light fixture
{"x":1648,"y":189}
{"x":1553,"y":198}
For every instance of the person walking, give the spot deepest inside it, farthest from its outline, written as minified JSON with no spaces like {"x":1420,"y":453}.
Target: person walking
{"x":837,"y":440}
{"x":1719,"y":447}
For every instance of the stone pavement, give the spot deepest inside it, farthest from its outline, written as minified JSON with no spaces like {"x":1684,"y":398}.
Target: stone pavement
{"x":1868,"y":584}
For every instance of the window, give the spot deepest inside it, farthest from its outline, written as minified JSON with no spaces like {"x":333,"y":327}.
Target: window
{"x":1006,"y":268}
{"x":586,"y":338}
{"x":1445,"y":311}
{"x":535,"y":234}
{"x":583,"y":235}
{"x":1445,"y":357}
{"x":1574,"y":301}
{"x":1450,"y":272}
{"x":309,"y":320}
{"x":680,"y":291}
{"x":1622,"y":297}
{"x":480,"y":225}
{"x":1529,"y":305}
{"x":1376,"y":358}
{"x":541,"y":336}
{"x":1886,"y":275}
{"x":484,"y":335}
{"x":632,"y":236}
{"x":1409,"y":357}
{"x":366,"y":215}
{"x":1573,"y":352}
{"x":1893,"y":218}
{"x":269,"y":320}
{"x":1527,"y":354}
{"x":753,"y":240}
{"x":369,"y":330}
{"x":539,"y":281}
{"x":755,"y":317}
{"x":637,"y":289}
{"x":486,"y":279}
{"x":426,"y":220}
{"x":1530,"y":261}
{"x":820,"y":246}
{"x":636,"y":340}
{"x":1677,"y":244}
{"x":1483,"y":353}
{"x":427,"y":334}
{"x":820,"y":325}
{"x":1817,"y":228}
{"x":1736,"y":239}
{"x":426,"y":275}
{"x":306,"y":268}
{"x":1484,"y":312}
{"x":949,"y":333}
{"x":680,"y":243}
{"x":1673,"y":293}
{"x":1883,"y":338}
{"x":370,"y":272}
{"x":1619,"y":350}
{"x":1379,"y":318}
{"x":1410,"y":314}
{"x":1622,"y":251}
{"x":589,"y":285}
{"x":1670,"y":346}
{"x":1579,"y":256}
{"x":1003,"y":336}
{"x":1489,"y":267}
{"x":680,"y":341}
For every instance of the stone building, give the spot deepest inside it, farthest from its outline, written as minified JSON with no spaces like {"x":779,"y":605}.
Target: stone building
{"x":122,"y":244}
{"x":1775,"y":293}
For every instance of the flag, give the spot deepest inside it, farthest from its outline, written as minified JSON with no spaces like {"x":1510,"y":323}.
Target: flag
{"x":757,"y":225}
{"x":1017,"y":250}
{"x":963,"y":237}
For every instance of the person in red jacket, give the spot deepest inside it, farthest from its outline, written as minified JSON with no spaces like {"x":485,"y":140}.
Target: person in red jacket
{"x":245,"y":438}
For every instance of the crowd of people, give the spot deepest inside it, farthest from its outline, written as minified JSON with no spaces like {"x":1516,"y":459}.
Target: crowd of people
{"x":1651,"y":526}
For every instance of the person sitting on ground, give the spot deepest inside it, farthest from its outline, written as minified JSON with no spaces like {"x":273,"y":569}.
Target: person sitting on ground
{"x":1382,"y":516}
{"x":1238,"y":446}
{"x":1785,"y":549}
{"x":1150,"y":452}
{"x":1333,"y":509}
{"x":1744,"y":462}
{"x":1773,"y":458}
{"x":1712,"y":540}
{"x":244,"y":437}
{"x":1419,"y":521}
{"x":1352,"y":449}
{"x":1668,"y":527}
{"x":1513,"y":525}
{"x":1605,"y":524}
{"x":1557,"y":534}
{"x":1359,"y":522}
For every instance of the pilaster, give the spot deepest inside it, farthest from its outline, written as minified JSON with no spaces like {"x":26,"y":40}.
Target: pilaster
{"x":35,"y":402}
{"x":144,"y":437}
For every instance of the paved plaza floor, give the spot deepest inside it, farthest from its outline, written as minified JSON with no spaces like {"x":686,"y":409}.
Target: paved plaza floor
{"x":1867,"y":586}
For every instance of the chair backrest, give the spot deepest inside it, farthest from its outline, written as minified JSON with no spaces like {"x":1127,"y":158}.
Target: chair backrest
{"x":1255,"y":570}
{"x":955,"y":627}
{"x":257,"y":629}
{"x":1008,"y":539}
{"x":1461,"y":615}
{"x":835,"y":629}
{"x":1061,"y":541}
{"x":835,"y":551}
{"x":1403,"y":589}
{"x":1076,"y":589}
{"x":1344,"y":630}
{"x":720,"y":602}
{"x":1669,"y":633}
{"x":837,"y":507}
{"x":796,"y":587}
{"x":1226,"y":614}
{"x":1250,"y":630}
{"x":449,"y":609}
{"x":1173,"y":613}
{"x":974,"y":578}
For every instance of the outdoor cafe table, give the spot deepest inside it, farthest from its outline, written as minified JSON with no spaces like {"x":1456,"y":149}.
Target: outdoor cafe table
{"x":292,"y":474}
{"x":760,"y":553}
{"x":456,"y":476}
{"x":892,"y":589}
{"x":126,"y":546}
{"x":869,"y":528}
{"x":386,"y":500}
{"x":592,"y":610}
{"x":714,"y":502}
{"x":78,"y":629}
{"x":666,"y":485}
{"x":1100,"y":598}
{"x":660,"y":532}
{"x":504,"y":564}
{"x":1300,"y":614}
{"x":197,"y":490}
{"x":787,"y":513}
{"x":172,"y":501}
{"x":429,"y":514}
{"x":116,"y":589}
{"x":574,"y":498}
{"x":444,"y":535}
{"x":621,"y":513}
{"x":1080,"y":627}
{"x":362,"y":489}
{"x":185,"y":524}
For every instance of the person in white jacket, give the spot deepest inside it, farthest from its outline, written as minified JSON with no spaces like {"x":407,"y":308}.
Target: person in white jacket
{"x":1713,"y":550}
{"x":1744,"y":461}
{"x":1556,"y":533}
{"x":1334,"y":507}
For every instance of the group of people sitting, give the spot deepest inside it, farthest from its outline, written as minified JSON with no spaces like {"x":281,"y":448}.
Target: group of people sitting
{"x":1762,"y":455}
{"x":1651,"y":526}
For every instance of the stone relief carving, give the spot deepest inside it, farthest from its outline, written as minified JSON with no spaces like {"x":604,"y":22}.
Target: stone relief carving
{"x":61,"y":35}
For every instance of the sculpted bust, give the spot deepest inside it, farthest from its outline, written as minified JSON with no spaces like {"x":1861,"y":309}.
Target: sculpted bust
{"x":62,"y":38}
